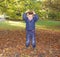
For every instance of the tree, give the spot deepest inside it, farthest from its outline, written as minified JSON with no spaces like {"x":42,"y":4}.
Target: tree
{"x":53,"y":9}
{"x":15,"y":8}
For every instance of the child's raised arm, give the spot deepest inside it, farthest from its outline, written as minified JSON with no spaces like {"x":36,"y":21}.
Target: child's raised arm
{"x":36,"y":17}
{"x":24,"y":17}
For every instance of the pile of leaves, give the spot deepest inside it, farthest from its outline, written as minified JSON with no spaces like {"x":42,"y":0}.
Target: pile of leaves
{"x":12,"y":44}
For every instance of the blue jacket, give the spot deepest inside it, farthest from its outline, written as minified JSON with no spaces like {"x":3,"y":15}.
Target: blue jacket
{"x":30,"y":25}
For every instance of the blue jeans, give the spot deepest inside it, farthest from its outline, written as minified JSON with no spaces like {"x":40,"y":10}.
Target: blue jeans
{"x":30,"y":35}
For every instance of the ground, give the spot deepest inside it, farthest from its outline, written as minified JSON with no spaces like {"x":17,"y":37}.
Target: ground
{"x":12,"y":44}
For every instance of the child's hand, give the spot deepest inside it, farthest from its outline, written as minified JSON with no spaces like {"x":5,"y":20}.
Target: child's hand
{"x":34,"y":12}
{"x":27,"y":11}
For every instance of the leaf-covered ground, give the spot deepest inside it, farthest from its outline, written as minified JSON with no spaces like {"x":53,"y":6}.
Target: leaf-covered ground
{"x":12,"y":44}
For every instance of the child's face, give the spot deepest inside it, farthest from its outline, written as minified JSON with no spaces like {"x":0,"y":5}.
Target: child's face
{"x":30,"y":16}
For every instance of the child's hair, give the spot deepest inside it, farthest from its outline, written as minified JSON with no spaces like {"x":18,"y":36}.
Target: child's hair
{"x":30,"y":12}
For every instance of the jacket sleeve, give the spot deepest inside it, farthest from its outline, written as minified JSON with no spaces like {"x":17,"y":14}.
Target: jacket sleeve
{"x":24,"y":17}
{"x":36,"y":17}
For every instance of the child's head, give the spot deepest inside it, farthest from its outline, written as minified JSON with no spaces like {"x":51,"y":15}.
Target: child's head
{"x":30,"y":15}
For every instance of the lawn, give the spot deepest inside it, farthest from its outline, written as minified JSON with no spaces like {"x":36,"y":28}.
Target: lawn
{"x":11,"y":25}
{"x":49,"y":24}
{"x":39,"y":24}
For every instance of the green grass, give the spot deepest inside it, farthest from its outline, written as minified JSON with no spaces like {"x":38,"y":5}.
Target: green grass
{"x":12,"y":25}
{"x":49,"y":24}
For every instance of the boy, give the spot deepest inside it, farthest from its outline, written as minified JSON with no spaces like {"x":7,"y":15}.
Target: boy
{"x":30,"y":18}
